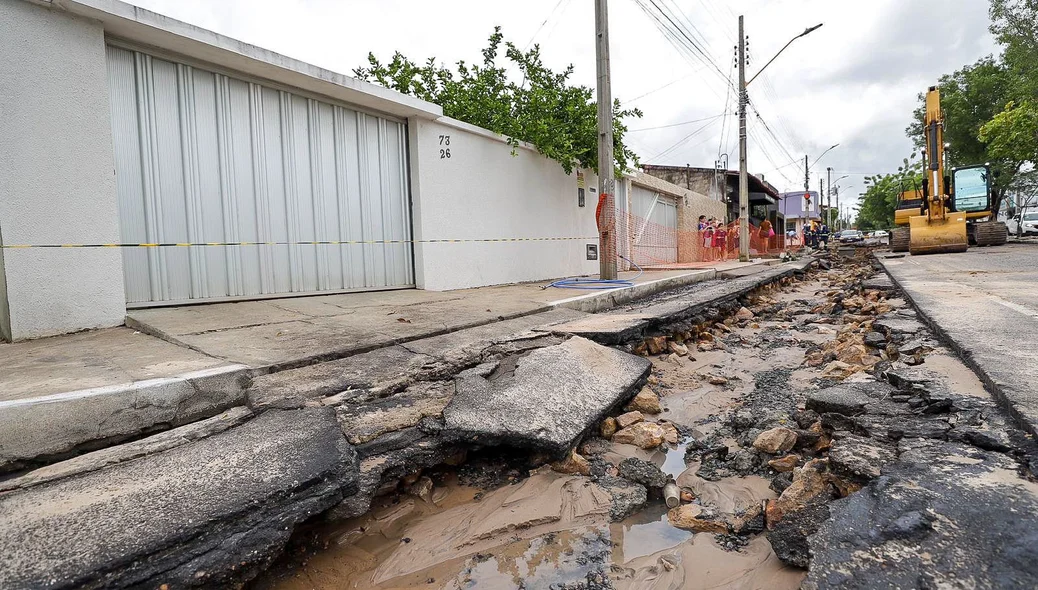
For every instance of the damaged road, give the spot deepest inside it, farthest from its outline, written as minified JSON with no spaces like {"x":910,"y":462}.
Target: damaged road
{"x":798,"y":429}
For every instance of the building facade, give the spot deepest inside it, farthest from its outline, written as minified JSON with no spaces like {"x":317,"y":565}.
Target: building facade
{"x":150,"y":162}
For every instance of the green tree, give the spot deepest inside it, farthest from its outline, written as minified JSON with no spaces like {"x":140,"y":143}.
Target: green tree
{"x":545,"y":109}
{"x":876,"y":207}
{"x":1014,"y":23}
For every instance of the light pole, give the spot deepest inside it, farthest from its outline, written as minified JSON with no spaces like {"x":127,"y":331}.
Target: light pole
{"x":744,"y":183}
{"x":837,"y":187}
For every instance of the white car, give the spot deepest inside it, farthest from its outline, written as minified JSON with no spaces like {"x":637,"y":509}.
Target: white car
{"x":1030,"y":224}
{"x":880,"y":234}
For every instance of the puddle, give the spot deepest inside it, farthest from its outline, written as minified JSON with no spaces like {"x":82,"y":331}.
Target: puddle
{"x":674,"y":462}
{"x":648,"y":532}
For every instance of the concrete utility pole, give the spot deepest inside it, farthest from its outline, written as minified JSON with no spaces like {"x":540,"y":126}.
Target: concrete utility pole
{"x":807,"y":175}
{"x":744,"y":99}
{"x":821,"y":192}
{"x":829,"y":193}
{"x":606,"y":180}
{"x":744,"y":181}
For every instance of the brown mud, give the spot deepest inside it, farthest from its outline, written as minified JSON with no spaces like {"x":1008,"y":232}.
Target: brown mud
{"x":544,"y":529}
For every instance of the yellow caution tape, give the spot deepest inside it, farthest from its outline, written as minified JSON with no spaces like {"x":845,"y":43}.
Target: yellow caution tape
{"x":305,"y":243}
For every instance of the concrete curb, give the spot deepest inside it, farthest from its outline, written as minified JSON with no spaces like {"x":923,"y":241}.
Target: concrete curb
{"x":965,"y":353}
{"x":603,"y":300}
{"x":51,"y":427}
{"x":615,"y":329}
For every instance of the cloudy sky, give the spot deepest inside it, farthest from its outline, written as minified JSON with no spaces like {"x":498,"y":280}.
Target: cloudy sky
{"x":853,"y":82}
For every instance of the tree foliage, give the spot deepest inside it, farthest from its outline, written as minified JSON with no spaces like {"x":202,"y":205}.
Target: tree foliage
{"x":545,"y":109}
{"x":1012,"y":135}
{"x":876,"y":208}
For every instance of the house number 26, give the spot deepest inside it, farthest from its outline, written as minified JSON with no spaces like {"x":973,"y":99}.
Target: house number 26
{"x":445,"y":150}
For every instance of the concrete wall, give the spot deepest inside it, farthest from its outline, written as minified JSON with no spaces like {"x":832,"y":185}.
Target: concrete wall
{"x":483,"y":192}
{"x":57,"y":175}
{"x":691,"y":205}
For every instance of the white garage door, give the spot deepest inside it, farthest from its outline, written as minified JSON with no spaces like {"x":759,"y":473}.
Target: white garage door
{"x":207,"y":159}
{"x":654,"y":227}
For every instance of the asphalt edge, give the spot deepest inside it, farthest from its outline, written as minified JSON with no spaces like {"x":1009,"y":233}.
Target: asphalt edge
{"x":965,"y":355}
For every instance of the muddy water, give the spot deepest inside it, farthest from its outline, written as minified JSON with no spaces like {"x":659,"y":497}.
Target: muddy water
{"x":551,"y":529}
{"x":522,"y":536}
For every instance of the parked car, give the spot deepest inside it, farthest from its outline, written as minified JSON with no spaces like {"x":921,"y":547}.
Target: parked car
{"x":1030,"y":224}
{"x":850,"y":235}
{"x":879,"y":233}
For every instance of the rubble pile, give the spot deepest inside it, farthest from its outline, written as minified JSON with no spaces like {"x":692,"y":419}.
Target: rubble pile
{"x":872,"y":425}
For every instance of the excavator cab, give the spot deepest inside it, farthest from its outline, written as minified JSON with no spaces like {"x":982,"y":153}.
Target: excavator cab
{"x":971,"y":189}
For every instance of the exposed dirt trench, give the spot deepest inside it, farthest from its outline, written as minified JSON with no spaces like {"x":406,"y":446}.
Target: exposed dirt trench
{"x":510,"y":521}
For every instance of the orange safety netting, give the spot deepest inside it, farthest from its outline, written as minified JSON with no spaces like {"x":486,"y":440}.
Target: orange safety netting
{"x":649,"y":243}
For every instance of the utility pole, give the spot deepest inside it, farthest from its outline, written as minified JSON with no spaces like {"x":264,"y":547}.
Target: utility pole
{"x":837,"y":191}
{"x":606,"y":180}
{"x":744,"y":181}
{"x":807,"y":175}
{"x":821,"y":208}
{"x":829,"y":193}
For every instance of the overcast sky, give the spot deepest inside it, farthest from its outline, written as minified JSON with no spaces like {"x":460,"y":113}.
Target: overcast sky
{"x":852,"y":82}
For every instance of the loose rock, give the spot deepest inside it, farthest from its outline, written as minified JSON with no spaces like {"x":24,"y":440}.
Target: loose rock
{"x":784,"y":464}
{"x":609,"y":427}
{"x":678,"y":349}
{"x":744,"y":314}
{"x":645,"y":435}
{"x":693,"y":517}
{"x":775,"y":441}
{"x":646,"y":402}
{"x":716,"y":380}
{"x":423,"y":489}
{"x":625,"y":420}
{"x":574,"y":464}
{"x":643,"y":472}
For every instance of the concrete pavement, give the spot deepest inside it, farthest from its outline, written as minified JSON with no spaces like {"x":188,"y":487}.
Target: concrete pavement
{"x":985,"y":304}
{"x":65,"y":395}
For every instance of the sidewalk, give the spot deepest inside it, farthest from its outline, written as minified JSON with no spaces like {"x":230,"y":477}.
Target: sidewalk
{"x":173,"y":366}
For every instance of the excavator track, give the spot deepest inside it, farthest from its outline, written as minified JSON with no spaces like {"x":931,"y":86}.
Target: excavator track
{"x":900,"y":238}
{"x":990,"y":233}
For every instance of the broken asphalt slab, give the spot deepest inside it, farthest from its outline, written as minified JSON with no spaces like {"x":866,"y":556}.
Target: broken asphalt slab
{"x":210,"y":513}
{"x":544,"y":400}
{"x":983,"y":304}
{"x":641,"y":318}
{"x":385,"y":371}
{"x":945,"y":515}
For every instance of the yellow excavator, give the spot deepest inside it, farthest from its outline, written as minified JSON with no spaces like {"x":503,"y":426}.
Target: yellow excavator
{"x":947,"y":214}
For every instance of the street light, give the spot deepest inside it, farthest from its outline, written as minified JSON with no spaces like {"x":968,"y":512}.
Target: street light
{"x":744,"y":182}
{"x":804,"y":34}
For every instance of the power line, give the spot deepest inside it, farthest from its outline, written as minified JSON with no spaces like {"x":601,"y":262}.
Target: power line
{"x":681,"y":141}
{"x":551,"y":14}
{"x":667,"y":85}
{"x":677,"y":124}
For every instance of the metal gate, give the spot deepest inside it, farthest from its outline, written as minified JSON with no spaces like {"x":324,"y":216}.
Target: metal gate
{"x":206,"y":159}
{"x":653,"y":227}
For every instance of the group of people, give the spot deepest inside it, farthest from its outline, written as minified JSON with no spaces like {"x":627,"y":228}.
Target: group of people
{"x":816,"y":234}
{"x":717,"y":237}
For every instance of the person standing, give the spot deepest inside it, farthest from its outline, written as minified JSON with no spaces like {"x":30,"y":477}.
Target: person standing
{"x":708,"y":241}
{"x":721,"y":242}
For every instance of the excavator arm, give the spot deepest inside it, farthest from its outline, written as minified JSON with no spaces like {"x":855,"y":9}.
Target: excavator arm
{"x":938,"y":227}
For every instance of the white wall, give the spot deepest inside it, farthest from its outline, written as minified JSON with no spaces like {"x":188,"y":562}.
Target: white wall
{"x":484,"y":192}
{"x":57,"y":177}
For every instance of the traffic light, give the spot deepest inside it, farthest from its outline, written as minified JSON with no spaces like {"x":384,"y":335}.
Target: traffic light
{"x":807,"y":200}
